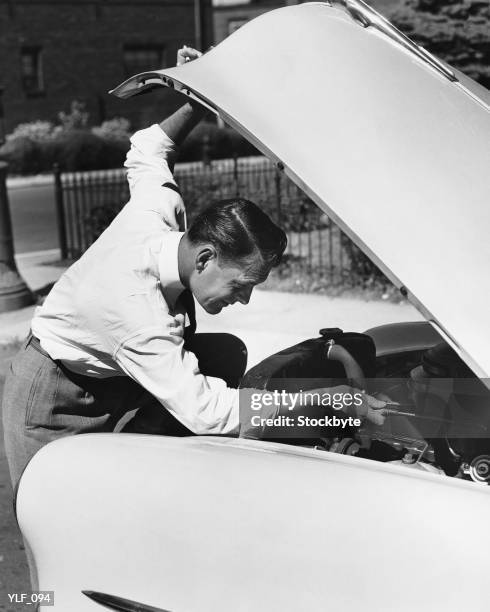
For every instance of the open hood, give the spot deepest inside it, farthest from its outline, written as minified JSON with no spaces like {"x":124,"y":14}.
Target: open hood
{"x":390,"y":142}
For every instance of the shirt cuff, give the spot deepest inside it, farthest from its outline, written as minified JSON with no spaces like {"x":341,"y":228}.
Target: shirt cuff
{"x":154,"y":141}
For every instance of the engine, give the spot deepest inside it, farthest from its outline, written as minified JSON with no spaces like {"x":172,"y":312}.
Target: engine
{"x":439,"y":415}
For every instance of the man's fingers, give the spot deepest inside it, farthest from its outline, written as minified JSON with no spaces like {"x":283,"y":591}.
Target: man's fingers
{"x":187,"y":54}
{"x":376,"y":416}
{"x":177,"y":325}
{"x":178,"y":321}
{"x":374,"y":402}
{"x":385,"y":398}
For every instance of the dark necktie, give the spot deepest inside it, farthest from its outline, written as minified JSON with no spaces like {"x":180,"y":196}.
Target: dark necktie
{"x":186,"y":299}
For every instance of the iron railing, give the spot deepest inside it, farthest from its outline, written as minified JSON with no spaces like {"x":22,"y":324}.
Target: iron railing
{"x":88,"y":201}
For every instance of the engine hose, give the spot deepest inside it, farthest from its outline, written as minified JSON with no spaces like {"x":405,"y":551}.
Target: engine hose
{"x":353,"y":370}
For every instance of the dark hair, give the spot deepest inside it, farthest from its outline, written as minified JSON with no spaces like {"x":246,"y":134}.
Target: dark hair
{"x":238,"y":228}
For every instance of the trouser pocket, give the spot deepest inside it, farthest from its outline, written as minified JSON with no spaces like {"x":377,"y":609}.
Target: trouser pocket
{"x":60,"y":401}
{"x":42,"y":393}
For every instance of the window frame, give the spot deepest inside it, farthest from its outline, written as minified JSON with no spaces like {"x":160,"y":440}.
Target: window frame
{"x":32,"y":85}
{"x":235,"y":23}
{"x":142,"y":48}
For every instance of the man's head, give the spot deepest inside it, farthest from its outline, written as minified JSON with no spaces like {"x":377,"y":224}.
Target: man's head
{"x":229,"y":248}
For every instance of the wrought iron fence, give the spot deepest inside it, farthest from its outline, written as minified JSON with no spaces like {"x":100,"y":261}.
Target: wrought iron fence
{"x":88,"y":201}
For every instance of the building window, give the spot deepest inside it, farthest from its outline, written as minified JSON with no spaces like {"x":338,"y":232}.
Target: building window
{"x":141,"y":58}
{"x":230,"y":2}
{"x":32,"y":70}
{"x":235,"y":24}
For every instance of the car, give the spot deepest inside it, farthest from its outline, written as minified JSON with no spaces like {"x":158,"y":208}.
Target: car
{"x":393,"y":145}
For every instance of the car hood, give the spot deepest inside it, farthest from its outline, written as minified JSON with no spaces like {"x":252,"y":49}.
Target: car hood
{"x":390,"y":142}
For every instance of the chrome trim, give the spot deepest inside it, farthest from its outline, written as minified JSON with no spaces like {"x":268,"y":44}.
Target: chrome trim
{"x":367,"y":17}
{"x":112,"y":602}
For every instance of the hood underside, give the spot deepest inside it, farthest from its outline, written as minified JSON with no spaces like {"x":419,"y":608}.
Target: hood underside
{"x":390,"y":142}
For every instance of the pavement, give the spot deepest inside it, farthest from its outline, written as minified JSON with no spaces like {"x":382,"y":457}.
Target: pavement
{"x":270,"y":322}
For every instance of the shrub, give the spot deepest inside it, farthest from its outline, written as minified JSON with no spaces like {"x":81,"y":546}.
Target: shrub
{"x":75,"y":150}
{"x":29,"y":149}
{"x":221,"y":143}
{"x":34,"y":147}
{"x":76,"y":119}
{"x":454,"y":30}
{"x":117,"y":129}
{"x":23,"y":155}
{"x":36,"y":131}
{"x":362,"y":271}
{"x":82,"y":150}
{"x":100,"y":218}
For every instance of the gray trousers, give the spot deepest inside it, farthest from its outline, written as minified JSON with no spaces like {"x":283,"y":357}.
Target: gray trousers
{"x":44,"y":401}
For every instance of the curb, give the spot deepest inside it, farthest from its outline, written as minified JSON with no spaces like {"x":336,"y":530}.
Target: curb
{"x":39,"y":180}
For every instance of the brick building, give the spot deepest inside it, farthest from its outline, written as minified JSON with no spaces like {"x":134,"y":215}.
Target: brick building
{"x":55,"y":51}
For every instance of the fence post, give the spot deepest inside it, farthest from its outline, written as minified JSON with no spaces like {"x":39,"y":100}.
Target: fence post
{"x":60,"y":211}
{"x":277,"y":180}
{"x":206,"y":150}
{"x":14,"y":293}
{"x":235,"y":174}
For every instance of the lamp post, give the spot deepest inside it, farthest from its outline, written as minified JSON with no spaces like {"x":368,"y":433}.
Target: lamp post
{"x":2,"y":118}
{"x":14,"y":293}
{"x":202,"y":15}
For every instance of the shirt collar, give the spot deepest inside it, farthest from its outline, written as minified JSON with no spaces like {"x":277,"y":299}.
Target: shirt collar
{"x":168,"y":266}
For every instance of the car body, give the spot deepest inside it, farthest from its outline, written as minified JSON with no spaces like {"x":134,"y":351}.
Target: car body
{"x":394,"y":146}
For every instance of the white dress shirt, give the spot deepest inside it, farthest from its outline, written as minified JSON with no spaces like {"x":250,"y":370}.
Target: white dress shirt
{"x":111,"y":313}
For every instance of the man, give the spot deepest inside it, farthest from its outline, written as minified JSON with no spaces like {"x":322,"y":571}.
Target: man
{"x":111,"y":333}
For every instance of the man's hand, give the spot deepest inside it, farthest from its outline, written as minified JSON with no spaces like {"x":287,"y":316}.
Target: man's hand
{"x":373,"y":408}
{"x":177,"y":326}
{"x":362,"y":406}
{"x":377,"y":417}
{"x":187,"y":54}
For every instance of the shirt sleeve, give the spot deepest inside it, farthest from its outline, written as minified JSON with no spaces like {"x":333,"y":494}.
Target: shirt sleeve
{"x":159,"y":363}
{"x":149,"y":162}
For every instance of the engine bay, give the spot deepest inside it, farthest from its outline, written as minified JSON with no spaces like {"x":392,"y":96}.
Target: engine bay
{"x":438,"y":413}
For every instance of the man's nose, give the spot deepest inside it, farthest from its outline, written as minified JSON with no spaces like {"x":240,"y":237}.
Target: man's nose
{"x":244,"y":295}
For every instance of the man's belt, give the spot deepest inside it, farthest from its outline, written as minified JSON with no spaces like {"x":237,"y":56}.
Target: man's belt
{"x":36,"y":344}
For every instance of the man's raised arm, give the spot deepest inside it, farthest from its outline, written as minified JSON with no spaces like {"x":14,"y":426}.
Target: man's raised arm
{"x":150,"y":161}
{"x":178,"y":125}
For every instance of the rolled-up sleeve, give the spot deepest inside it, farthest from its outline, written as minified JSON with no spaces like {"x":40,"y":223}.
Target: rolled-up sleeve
{"x":151,"y":156}
{"x":159,"y":363}
{"x":149,"y":162}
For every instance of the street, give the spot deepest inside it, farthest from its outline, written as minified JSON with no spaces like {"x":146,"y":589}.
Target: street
{"x":33,"y":214}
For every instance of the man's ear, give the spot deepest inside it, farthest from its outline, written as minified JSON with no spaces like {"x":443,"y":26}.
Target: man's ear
{"x":204,"y":256}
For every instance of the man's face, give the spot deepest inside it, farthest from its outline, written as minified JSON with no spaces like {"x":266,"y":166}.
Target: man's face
{"x":217,"y":284}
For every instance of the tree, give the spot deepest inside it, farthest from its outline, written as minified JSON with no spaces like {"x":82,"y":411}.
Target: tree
{"x":457,"y":31}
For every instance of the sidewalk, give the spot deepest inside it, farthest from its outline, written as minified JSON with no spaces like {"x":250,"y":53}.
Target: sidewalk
{"x":39,"y":270}
{"x":270,"y":322}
